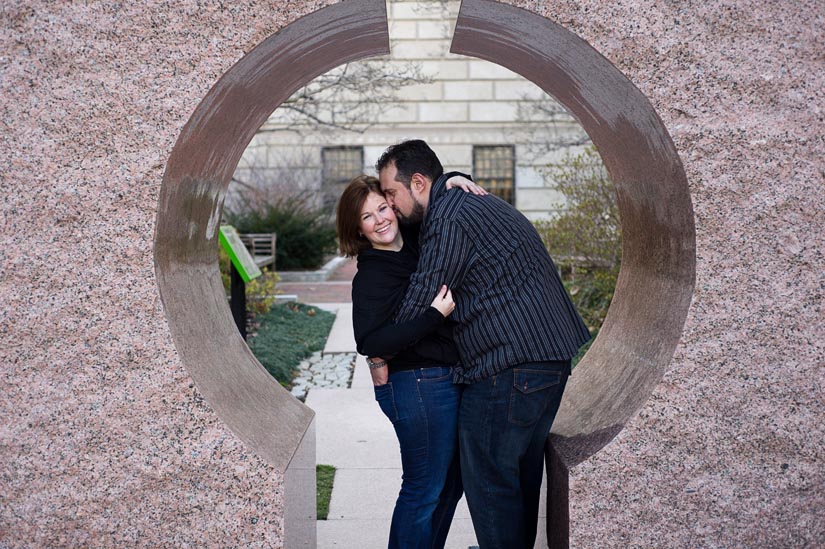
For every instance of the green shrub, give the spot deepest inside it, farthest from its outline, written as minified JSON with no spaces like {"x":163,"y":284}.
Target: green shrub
{"x":260,"y":292}
{"x":585,"y":239}
{"x":587,"y":233}
{"x":306,"y":234}
{"x":287,"y":334}
{"x":324,"y":477}
{"x":591,"y":292}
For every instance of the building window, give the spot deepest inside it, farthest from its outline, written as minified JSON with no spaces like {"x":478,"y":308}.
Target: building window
{"x":339,"y":166}
{"x":494,"y":168}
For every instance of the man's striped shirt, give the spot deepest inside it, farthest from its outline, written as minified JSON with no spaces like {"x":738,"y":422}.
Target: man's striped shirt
{"x":511,"y":307}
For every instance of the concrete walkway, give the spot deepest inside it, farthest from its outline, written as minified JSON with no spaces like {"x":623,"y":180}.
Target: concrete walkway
{"x":354,"y":435}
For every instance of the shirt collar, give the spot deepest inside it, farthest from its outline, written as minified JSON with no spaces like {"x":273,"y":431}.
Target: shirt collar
{"x":439,"y":188}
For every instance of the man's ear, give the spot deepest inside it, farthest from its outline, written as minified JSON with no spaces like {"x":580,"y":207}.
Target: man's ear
{"x":418,"y":182}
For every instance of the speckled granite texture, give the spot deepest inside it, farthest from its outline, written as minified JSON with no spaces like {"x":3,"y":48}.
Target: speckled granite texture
{"x":103,"y":438}
{"x":104,"y":441}
{"x":728,"y":452}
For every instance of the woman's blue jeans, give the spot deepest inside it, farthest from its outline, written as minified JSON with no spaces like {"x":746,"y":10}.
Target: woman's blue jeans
{"x":422,"y":405}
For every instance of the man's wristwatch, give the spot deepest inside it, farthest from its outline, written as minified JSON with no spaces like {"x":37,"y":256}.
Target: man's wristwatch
{"x":374,"y":364}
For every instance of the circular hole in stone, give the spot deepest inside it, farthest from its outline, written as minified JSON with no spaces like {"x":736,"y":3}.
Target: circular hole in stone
{"x":658,"y":261}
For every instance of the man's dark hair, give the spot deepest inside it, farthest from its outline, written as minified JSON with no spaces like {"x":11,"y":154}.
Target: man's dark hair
{"x":409,"y":157}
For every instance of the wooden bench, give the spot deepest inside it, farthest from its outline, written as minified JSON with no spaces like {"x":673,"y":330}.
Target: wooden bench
{"x":261,"y":247}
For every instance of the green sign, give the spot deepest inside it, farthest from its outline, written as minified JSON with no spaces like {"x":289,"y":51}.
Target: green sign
{"x":238,"y":253}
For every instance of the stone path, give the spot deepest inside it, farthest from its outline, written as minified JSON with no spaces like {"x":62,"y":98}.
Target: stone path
{"x":323,"y":371}
{"x":333,"y":367}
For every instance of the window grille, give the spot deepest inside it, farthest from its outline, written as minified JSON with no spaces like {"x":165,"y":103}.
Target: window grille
{"x":339,"y":166}
{"x":494,"y":168}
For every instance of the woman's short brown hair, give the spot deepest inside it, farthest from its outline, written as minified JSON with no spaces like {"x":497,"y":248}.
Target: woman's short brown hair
{"x":352,"y":201}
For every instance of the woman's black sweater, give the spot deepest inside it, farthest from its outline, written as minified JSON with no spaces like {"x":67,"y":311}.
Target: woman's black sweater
{"x":377,"y":291}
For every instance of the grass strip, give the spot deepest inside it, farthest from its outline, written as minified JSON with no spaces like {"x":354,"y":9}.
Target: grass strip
{"x":324,"y":475}
{"x":287,"y":334}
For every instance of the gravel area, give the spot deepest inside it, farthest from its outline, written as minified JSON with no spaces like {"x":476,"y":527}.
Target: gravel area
{"x":328,"y":371}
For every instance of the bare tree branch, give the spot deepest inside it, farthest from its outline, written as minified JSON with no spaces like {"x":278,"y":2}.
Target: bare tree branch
{"x":551,"y":126}
{"x":351,"y":98}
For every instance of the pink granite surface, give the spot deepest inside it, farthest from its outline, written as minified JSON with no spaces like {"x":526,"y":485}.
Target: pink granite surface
{"x":104,"y":441}
{"x":728,"y":452}
{"x":103,"y":438}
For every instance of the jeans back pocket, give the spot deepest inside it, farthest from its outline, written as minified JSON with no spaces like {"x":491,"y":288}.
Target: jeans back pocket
{"x":532,"y":391}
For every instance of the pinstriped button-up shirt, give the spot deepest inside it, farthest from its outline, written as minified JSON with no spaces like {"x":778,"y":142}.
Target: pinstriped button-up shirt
{"x":511,"y":307}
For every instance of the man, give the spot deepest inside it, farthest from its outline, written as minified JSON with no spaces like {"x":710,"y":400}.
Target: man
{"x":517,"y":331}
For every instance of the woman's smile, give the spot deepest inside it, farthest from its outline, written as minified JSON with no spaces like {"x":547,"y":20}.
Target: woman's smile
{"x":379,"y":225}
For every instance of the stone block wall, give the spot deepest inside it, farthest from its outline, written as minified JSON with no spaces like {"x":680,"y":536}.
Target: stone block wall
{"x":105,"y":440}
{"x":466,"y":102}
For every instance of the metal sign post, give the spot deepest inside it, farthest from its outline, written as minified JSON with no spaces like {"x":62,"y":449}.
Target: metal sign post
{"x":242,"y":269}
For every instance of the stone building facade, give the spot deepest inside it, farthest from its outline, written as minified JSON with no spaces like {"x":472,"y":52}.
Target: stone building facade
{"x":479,"y":117}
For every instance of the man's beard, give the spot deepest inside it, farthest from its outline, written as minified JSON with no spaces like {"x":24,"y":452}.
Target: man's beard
{"x":416,"y":216}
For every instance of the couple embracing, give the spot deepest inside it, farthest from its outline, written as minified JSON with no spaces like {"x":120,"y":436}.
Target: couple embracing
{"x":469,"y":334}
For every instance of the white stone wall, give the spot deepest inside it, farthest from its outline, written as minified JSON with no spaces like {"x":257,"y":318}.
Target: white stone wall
{"x":467,"y":102}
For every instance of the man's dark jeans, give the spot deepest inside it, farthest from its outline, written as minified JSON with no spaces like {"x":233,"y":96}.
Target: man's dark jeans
{"x":503,"y":425}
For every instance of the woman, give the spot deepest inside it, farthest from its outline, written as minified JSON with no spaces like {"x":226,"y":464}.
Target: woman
{"x":419,"y":397}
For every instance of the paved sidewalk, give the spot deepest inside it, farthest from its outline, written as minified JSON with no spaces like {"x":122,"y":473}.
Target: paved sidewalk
{"x":353,"y":435}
